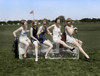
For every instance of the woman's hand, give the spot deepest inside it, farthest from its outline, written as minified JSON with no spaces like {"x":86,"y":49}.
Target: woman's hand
{"x":76,"y":31}
{"x":27,"y":30}
{"x":60,"y":33}
{"x":75,"y":28}
{"x":18,"y":30}
{"x":38,"y":41}
{"x":51,"y":34}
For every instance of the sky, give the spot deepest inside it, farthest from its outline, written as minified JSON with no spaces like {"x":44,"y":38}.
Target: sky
{"x":50,"y":9}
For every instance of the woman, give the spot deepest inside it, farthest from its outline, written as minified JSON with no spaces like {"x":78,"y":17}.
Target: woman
{"x":70,"y":31}
{"x":23,"y":35}
{"x":57,"y":34}
{"x":34,"y":39}
{"x":42,"y":38}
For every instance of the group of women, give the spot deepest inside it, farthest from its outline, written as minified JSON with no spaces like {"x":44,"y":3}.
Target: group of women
{"x":38,"y":36}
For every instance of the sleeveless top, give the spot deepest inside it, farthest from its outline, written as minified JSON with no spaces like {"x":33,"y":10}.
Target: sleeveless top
{"x":69,"y":38}
{"x":42,"y":37}
{"x":23,"y":33}
{"x":35,"y":32}
{"x":56,"y":32}
{"x":67,"y":34}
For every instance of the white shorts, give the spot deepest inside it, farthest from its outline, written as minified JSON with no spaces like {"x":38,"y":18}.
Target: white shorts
{"x":69,"y":39}
{"x":56,"y":39}
{"x":21,"y":39}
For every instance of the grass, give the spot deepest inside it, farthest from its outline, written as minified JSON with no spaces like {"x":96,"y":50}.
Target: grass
{"x":88,"y":33}
{"x":15,"y":67}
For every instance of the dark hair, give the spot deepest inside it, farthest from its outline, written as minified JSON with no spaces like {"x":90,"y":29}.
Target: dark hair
{"x":56,"y":19}
{"x":23,"y":21}
{"x":34,"y":22}
{"x":45,"y":20}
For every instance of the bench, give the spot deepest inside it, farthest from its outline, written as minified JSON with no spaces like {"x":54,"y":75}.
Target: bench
{"x":55,"y":53}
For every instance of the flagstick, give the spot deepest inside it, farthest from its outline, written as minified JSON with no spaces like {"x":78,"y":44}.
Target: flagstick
{"x":33,"y":17}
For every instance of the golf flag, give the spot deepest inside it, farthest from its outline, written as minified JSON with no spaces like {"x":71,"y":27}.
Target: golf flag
{"x":32,"y":12}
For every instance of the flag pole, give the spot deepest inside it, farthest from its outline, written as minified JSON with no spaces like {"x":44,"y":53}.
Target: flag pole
{"x":33,"y":16}
{"x":32,"y":12}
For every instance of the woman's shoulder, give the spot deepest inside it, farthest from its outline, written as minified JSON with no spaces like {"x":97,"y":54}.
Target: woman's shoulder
{"x":53,"y":25}
{"x":20,"y":28}
{"x":66,"y":26}
{"x":72,"y":26}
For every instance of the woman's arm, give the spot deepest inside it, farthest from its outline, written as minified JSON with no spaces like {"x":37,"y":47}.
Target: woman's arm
{"x":31,"y":33}
{"x":67,"y":29}
{"x":27,"y":30}
{"x":39,"y":31}
{"x":48,"y":29}
{"x":60,"y":31}
{"x":18,"y":30}
{"x":49,"y":33}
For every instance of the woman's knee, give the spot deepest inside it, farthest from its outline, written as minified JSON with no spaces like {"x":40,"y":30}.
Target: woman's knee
{"x":75,"y":43}
{"x":81,"y":42}
{"x":29,"y":41}
{"x":62,"y":42}
{"x":27,"y":44}
{"x":36,"y":45}
{"x":50,"y":45}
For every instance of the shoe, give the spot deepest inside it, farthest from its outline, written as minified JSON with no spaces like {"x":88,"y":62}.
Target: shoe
{"x":72,"y":49}
{"x":36,"y":59}
{"x":46,"y":57}
{"x":87,"y":59}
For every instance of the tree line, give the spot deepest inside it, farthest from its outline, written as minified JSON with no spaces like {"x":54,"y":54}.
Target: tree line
{"x":95,"y":20}
{"x":87,"y":20}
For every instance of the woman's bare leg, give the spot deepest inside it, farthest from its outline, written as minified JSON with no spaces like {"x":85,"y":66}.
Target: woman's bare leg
{"x":36,"y":50}
{"x":46,"y":42}
{"x":79,"y":41}
{"x":64,"y":44}
{"x":74,"y":42}
{"x":26,"y":47}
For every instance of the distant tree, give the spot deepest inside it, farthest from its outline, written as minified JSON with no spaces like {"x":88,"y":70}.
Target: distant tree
{"x":2,"y":22}
{"x":53,"y":21}
{"x":9,"y":22}
{"x":62,"y":18}
{"x":94,"y":20}
{"x":13,"y":22}
{"x":85,"y":20}
{"x":98,"y":20}
{"x":40,"y":21}
{"x":29,"y":21}
{"x":90,"y":20}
